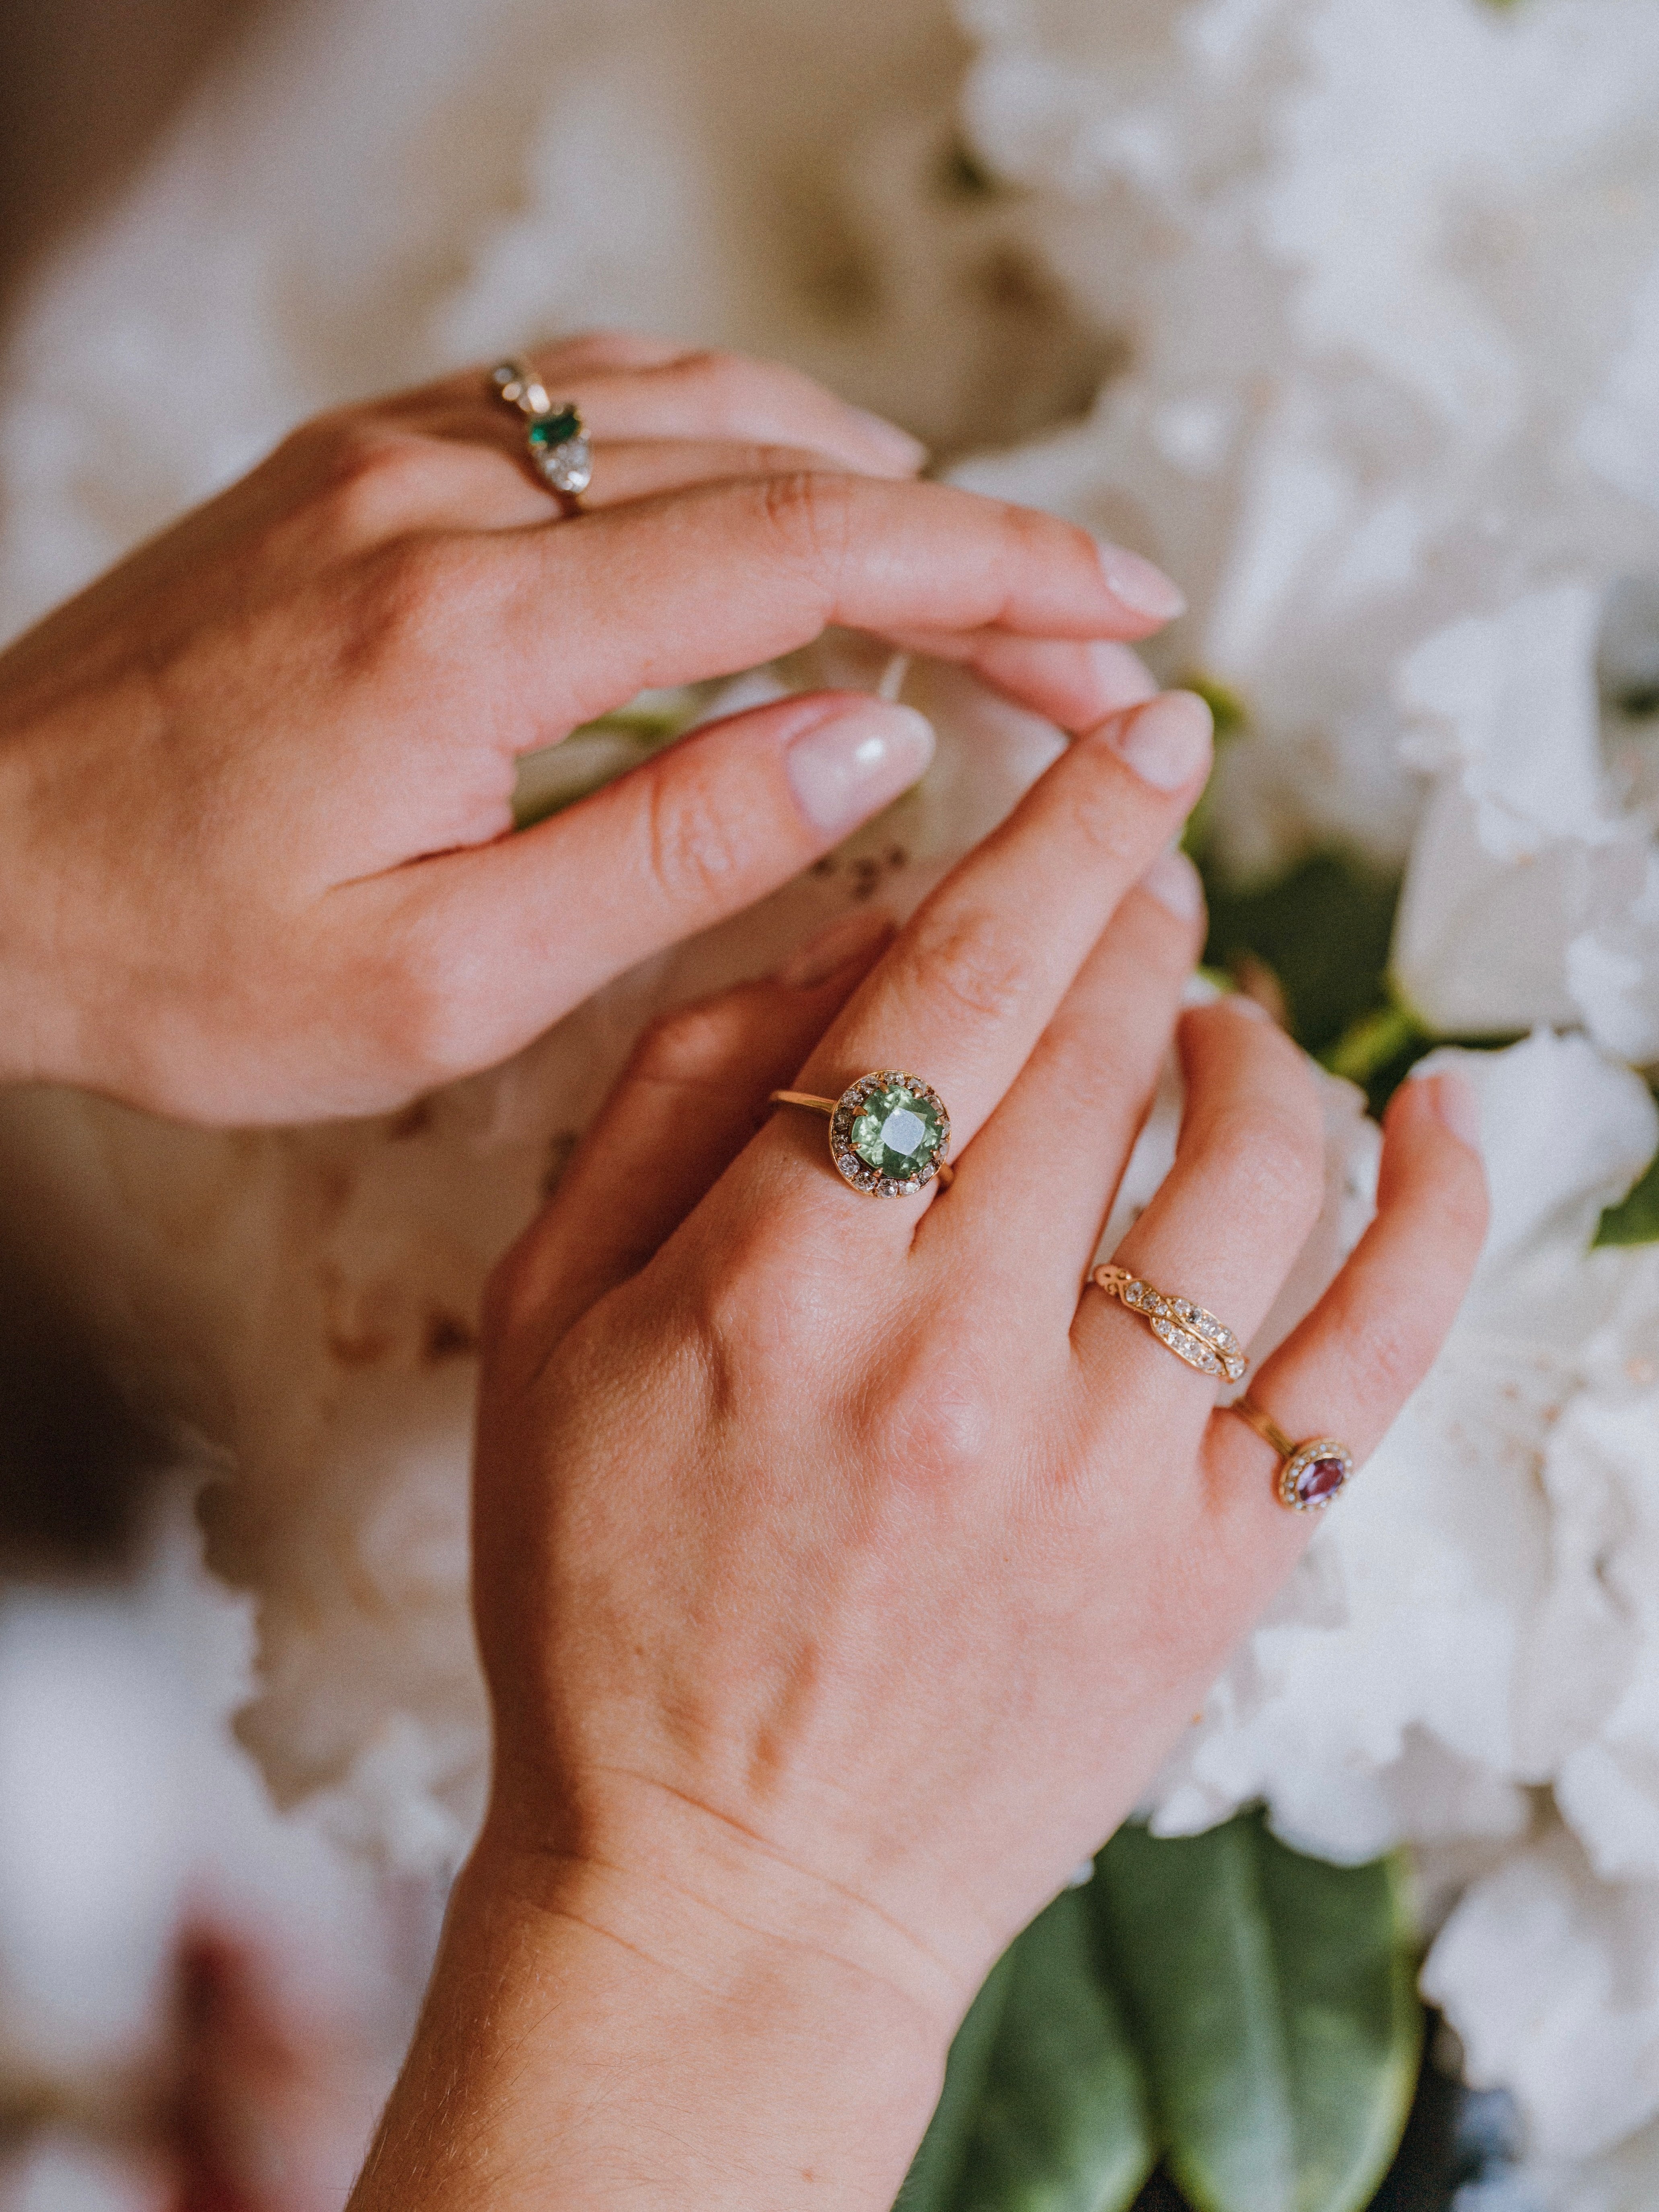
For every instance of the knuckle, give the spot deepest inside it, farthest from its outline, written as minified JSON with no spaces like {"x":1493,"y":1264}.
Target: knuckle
{"x":940,"y":1425}
{"x":697,"y":855}
{"x":425,"y":997}
{"x":690,"y":1045}
{"x":747,"y":1315}
{"x":366,"y":475}
{"x":807,"y":514}
{"x":406,"y":605}
{"x":1283,"y":1153}
{"x":976,"y":965}
{"x":1390,"y":1349}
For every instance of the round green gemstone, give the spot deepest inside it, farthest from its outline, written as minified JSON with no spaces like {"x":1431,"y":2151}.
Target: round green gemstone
{"x":900,"y":1133}
{"x":555,"y":429}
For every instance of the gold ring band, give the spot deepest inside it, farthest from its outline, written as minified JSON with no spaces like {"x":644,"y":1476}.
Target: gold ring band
{"x":555,"y":439}
{"x":1311,"y":1474}
{"x":888,"y":1133}
{"x":1188,"y":1331}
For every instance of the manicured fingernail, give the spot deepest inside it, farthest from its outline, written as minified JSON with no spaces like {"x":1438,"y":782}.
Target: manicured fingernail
{"x":1456,"y":1105}
{"x":1167,"y":742}
{"x":837,"y":945}
{"x":1175,"y":883}
{"x":907,"y":452}
{"x":845,"y":769}
{"x":1137,"y":585}
{"x":1124,"y":678}
{"x":1240,"y":1002}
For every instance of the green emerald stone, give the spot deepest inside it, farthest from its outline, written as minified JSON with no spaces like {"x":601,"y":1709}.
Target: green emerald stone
{"x":900,"y":1133}
{"x":555,"y":429}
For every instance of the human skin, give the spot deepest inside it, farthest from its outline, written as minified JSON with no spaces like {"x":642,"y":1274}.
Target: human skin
{"x":843,"y":1569}
{"x":255,"y":853}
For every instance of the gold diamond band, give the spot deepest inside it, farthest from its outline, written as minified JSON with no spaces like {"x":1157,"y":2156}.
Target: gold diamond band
{"x":1182,"y":1327}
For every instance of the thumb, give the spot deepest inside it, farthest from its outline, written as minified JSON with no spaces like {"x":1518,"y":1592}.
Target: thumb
{"x":700,"y":832}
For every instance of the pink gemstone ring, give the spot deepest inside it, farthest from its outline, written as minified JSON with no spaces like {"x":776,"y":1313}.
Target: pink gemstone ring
{"x":1310,"y":1474}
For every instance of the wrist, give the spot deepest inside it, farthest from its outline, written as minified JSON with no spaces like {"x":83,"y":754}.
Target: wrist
{"x":594,"y":2037}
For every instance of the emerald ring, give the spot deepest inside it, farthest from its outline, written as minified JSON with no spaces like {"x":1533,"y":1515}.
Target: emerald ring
{"x":554,"y":439}
{"x":888,"y":1133}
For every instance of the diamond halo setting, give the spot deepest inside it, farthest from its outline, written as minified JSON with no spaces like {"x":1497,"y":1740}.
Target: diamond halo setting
{"x":889,"y":1133}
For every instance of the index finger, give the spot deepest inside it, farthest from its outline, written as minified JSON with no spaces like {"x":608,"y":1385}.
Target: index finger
{"x":725,"y":576}
{"x":977,"y":975}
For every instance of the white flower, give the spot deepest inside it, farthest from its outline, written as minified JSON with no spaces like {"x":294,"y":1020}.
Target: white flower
{"x":1527,"y":890}
{"x":1467,"y":1625}
{"x":1551,"y":1978}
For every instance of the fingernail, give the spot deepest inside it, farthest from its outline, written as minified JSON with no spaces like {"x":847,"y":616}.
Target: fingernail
{"x":907,"y":452}
{"x":1167,"y":742}
{"x":1137,"y":585}
{"x":1240,"y":1002}
{"x":835,"y":947}
{"x":845,"y":769}
{"x":1456,"y":1105}
{"x":1123,"y":675}
{"x":1175,"y":883}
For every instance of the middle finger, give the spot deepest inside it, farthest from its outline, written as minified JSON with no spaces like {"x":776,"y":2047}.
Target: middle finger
{"x":1035,"y":1187}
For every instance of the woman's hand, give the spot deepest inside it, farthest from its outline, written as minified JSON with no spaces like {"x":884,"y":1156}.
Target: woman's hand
{"x":841,"y":1572}
{"x":255,"y":785}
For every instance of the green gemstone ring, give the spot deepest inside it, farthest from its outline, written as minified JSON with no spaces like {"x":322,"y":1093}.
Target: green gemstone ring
{"x":888,"y":1133}
{"x":554,"y":436}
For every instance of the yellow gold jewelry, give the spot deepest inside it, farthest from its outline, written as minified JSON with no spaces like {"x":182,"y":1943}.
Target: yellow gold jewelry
{"x":888,"y":1133}
{"x":1186,"y":1329}
{"x":554,"y":437}
{"x":1310,"y":1474}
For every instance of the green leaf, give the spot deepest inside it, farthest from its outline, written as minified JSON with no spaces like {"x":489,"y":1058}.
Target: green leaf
{"x":1062,"y":2123}
{"x":1044,"y":2109}
{"x":1635,"y":1220}
{"x":1323,"y":928}
{"x":941,"y":2164}
{"x":1273,"y":1998}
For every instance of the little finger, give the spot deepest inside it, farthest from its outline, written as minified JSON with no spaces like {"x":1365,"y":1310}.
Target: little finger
{"x":1351,"y":1365}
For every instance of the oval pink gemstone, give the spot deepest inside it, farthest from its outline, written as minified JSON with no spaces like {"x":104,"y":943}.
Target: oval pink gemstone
{"x":1321,"y":1478}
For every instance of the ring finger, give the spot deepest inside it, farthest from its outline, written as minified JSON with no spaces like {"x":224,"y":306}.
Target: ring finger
{"x":491,"y":486}
{"x":1225,"y":1228}
{"x":724,"y":397}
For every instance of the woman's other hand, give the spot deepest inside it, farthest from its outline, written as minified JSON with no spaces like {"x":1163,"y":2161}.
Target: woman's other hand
{"x":843,"y":1571}
{"x":255,"y":785}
